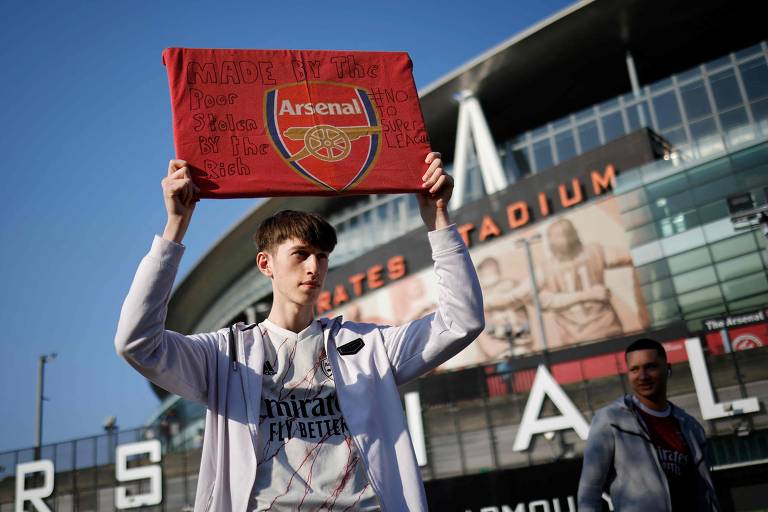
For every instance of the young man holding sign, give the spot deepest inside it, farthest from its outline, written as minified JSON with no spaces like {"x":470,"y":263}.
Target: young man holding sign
{"x":303,"y":412}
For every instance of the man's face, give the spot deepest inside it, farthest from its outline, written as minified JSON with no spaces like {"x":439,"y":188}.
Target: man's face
{"x":559,"y":240}
{"x":647,"y":372}
{"x":297,"y":270}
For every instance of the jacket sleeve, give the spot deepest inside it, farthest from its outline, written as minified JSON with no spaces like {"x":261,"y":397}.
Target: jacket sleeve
{"x":596,"y":468}
{"x":175,"y":362}
{"x":421,"y":345}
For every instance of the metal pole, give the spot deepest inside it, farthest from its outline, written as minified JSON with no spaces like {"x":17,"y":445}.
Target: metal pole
{"x":535,"y":293}
{"x":635,"y":86}
{"x":39,"y":406}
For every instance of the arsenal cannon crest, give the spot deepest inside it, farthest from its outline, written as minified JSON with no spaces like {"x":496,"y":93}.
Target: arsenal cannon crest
{"x":329,"y":133}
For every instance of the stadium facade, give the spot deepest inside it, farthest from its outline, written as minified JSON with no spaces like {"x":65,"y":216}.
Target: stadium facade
{"x":595,"y":155}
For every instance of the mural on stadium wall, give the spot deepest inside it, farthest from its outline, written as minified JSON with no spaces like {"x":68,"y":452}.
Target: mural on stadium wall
{"x":588,"y":288}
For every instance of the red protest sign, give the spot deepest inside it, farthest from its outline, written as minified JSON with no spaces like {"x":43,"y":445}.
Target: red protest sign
{"x":256,"y":123}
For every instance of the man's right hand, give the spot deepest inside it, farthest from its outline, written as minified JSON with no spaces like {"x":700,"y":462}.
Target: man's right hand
{"x":180,"y":196}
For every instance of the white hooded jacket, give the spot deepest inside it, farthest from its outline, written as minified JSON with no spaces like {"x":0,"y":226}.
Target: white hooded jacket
{"x":372,"y":362}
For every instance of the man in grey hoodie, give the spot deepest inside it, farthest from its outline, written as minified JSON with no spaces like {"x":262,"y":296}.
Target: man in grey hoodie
{"x":644,"y":452}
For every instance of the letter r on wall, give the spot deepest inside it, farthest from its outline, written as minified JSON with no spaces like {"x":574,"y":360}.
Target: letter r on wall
{"x":35,"y":495}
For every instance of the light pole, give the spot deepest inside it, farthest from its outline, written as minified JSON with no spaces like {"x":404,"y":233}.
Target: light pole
{"x":526,"y":243}
{"x":40,"y":383}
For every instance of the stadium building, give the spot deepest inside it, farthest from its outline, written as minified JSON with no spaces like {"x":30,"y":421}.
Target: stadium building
{"x":609,"y":164}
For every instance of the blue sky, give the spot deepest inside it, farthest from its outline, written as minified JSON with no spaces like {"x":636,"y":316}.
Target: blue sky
{"x":86,"y":142}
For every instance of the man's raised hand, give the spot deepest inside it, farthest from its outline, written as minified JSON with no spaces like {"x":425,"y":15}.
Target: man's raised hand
{"x":438,"y":187}
{"x":180,"y":197}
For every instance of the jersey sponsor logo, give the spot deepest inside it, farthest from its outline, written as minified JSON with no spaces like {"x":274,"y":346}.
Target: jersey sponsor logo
{"x":329,"y":133}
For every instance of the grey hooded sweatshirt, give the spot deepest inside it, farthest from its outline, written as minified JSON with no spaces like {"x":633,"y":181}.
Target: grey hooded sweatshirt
{"x":620,"y":460}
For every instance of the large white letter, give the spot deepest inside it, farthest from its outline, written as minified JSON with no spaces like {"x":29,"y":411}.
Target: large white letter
{"x":35,"y":495}
{"x":709,"y":409}
{"x":544,"y":385}
{"x":416,"y":426}
{"x":125,"y":474}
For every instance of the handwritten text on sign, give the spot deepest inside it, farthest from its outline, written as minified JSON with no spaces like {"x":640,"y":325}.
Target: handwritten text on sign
{"x":285,"y":122}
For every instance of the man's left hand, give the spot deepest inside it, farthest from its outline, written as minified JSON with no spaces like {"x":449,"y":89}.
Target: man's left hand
{"x":438,"y":187}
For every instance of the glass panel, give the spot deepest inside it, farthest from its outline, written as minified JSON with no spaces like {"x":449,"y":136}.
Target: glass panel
{"x":642,"y":235}
{"x":700,"y":299}
{"x":694,"y":279}
{"x":666,"y":187}
{"x":542,"y":152}
{"x":658,"y":290}
{"x":613,"y":126}
{"x":695,"y":100}
{"x":718,"y":63}
{"x":734,"y":246}
{"x":739,"y":266}
{"x":736,"y":126}
{"x":633,"y":116}
{"x":661,"y":84}
{"x":725,"y":90}
{"x":566,"y":145}
{"x":690,"y":74}
{"x":585,"y":114}
{"x":713,"y":211}
{"x":668,"y":206}
{"x":750,"y":303}
{"x":540,"y":131}
{"x":705,"y":137}
{"x":718,"y":189}
{"x":588,"y":136}
{"x":676,"y":137}
{"x":745,"y":286}
{"x":709,"y":171}
{"x":664,"y":311}
{"x":747,"y":52}
{"x":561,"y":123}
{"x":689,"y":260}
{"x":754,"y":74}
{"x":608,"y":105}
{"x":760,"y":113}
{"x":518,"y":162}
{"x":667,"y":111}
{"x":678,"y":223}
{"x":653,"y":271}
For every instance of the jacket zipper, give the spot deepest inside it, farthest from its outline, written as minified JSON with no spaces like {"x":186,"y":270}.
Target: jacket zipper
{"x":354,"y":440}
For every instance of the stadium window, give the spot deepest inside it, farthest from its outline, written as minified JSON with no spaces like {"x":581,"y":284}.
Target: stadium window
{"x":700,"y":299}
{"x":642,"y":234}
{"x":748,"y":303}
{"x":695,"y":100}
{"x":709,"y":171}
{"x":658,"y":290}
{"x":613,"y":126}
{"x":518,"y":162}
{"x":760,"y":115}
{"x":542,"y":155}
{"x":711,"y":212}
{"x":732,"y":247}
{"x":661,"y":84}
{"x":754,"y":74}
{"x":633,"y":116}
{"x":718,"y":63}
{"x":725,"y":90}
{"x":691,"y":74}
{"x":588,"y":136}
{"x":749,"y":52}
{"x":739,"y":266}
{"x":694,"y":279}
{"x":667,"y":111}
{"x":566,"y":145}
{"x":736,"y":126}
{"x":690,"y":260}
{"x":664,"y":311}
{"x":653,"y":271}
{"x":745,"y":286}
{"x":676,"y":137}
{"x":705,"y":137}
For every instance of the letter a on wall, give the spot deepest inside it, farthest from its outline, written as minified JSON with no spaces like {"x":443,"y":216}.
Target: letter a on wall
{"x":570,"y":418}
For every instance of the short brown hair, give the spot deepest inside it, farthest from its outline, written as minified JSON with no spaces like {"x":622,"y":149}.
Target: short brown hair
{"x":288,"y":224}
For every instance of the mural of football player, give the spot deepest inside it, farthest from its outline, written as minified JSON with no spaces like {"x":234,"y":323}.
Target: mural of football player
{"x":576,"y":272}
{"x":507,"y":332}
